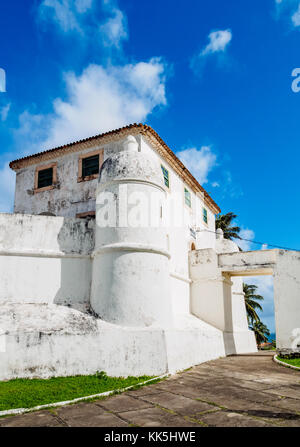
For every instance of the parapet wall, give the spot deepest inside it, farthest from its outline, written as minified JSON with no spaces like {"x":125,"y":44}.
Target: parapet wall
{"x":45,"y":259}
{"x":45,"y":235}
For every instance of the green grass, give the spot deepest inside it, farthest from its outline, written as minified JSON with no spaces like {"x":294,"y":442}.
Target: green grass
{"x":293,"y":362}
{"x":28,"y":393}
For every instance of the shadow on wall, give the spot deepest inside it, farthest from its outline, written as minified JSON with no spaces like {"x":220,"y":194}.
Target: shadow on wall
{"x":76,"y":242}
{"x":229,"y":343}
{"x":46,"y":213}
{"x":228,"y":334}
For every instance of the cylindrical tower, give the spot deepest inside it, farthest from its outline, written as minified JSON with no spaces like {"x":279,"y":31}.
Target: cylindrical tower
{"x":130,"y":282}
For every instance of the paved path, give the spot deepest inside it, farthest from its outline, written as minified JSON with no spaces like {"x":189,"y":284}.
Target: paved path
{"x":240,"y":391}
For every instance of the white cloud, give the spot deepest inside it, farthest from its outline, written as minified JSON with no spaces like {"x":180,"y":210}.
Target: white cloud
{"x":99,"y":100}
{"x":66,"y":14}
{"x":285,"y":3}
{"x":216,"y":48}
{"x":61,"y":12}
{"x":198,"y":161}
{"x":83,"y":6}
{"x":296,"y":17}
{"x":247,"y":234}
{"x":102,"y":99}
{"x":70,"y":16}
{"x":218,"y":42}
{"x":4,"y":111}
{"x":290,"y":9}
{"x":114,"y":29}
{"x":32,"y":130}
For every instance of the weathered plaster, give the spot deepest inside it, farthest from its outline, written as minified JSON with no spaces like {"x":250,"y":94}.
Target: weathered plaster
{"x":45,"y":259}
{"x":77,"y":297}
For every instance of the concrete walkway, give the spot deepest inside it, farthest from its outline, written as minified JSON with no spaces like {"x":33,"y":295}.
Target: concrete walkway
{"x":240,"y":391}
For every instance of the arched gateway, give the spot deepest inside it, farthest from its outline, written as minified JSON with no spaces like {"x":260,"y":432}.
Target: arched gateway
{"x":284,"y":265}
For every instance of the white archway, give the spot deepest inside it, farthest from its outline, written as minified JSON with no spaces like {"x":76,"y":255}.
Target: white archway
{"x":211,"y":274}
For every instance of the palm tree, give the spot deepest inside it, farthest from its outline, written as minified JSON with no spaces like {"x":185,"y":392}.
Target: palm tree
{"x":251,"y":303}
{"x":261,"y":332}
{"x":224,"y":221}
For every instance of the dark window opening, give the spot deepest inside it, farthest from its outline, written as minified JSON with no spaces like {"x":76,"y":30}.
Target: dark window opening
{"x":45,"y":177}
{"x":47,"y":213}
{"x":90,"y":165}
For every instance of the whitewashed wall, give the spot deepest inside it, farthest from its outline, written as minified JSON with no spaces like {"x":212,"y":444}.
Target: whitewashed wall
{"x":72,"y":197}
{"x":45,"y":259}
{"x":69,"y":197}
{"x":180,"y":237}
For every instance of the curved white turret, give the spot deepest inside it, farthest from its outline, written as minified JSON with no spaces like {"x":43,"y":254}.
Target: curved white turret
{"x":130,"y":285}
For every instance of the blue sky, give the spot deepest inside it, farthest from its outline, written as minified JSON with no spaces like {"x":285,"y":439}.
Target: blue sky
{"x":212,"y":78}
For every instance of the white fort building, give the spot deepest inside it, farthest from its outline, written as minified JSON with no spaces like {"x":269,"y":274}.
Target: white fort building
{"x":111,"y":262}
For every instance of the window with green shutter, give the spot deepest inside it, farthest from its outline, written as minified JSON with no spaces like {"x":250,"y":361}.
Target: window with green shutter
{"x":205,"y":217}
{"x":187,"y":197}
{"x":90,"y":165}
{"x":166,"y":176}
{"x":45,"y":178}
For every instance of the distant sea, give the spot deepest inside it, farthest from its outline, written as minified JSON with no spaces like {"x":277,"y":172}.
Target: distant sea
{"x":272,"y":336}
